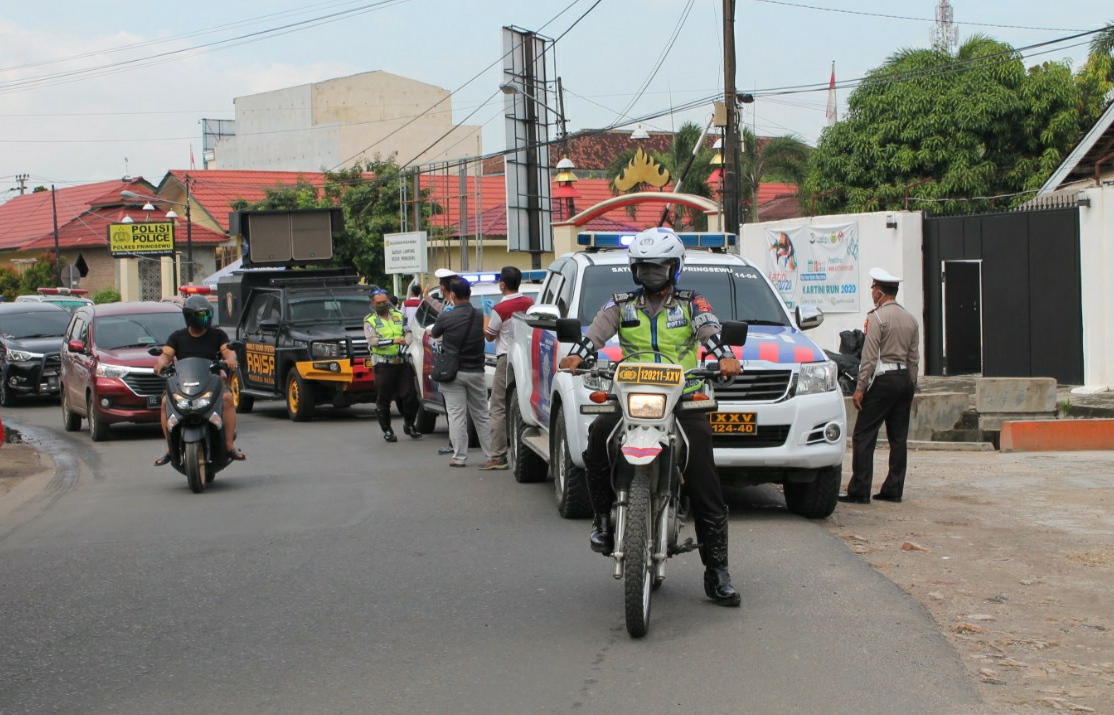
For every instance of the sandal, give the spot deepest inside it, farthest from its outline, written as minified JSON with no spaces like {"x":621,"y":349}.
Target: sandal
{"x":236,"y":455}
{"x":163,"y":460}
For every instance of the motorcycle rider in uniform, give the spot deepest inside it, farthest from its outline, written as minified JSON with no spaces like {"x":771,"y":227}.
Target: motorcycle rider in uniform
{"x":661,"y":317}
{"x":388,"y":335}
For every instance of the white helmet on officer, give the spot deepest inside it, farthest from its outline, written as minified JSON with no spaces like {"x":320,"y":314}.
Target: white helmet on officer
{"x":657,"y":257}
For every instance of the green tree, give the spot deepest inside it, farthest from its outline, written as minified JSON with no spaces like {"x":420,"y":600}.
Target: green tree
{"x":106,"y":295}
{"x":782,"y":159}
{"x":43,"y":273}
{"x":1096,"y":79}
{"x":695,"y":181}
{"x":9,"y":283}
{"x":948,"y":129}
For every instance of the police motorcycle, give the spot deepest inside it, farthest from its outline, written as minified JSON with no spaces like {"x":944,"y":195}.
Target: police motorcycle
{"x":648,"y":510}
{"x":194,"y":418}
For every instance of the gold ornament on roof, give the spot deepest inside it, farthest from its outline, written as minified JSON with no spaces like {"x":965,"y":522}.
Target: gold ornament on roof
{"x":642,"y":169}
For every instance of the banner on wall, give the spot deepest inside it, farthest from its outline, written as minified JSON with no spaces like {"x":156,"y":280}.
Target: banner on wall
{"x":816,"y":265}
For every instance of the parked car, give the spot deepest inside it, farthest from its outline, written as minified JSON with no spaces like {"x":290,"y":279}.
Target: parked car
{"x":30,"y":340}
{"x":69,"y":298}
{"x":108,"y":376}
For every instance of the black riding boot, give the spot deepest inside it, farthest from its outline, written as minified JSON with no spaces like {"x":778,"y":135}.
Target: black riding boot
{"x":411,"y":429}
{"x":598,"y":481}
{"x":712,"y":533}
{"x":385,"y":423}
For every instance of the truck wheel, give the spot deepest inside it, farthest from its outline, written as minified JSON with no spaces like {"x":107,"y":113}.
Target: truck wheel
{"x":525,"y":464}
{"x":98,"y":430}
{"x":300,"y":400}
{"x":243,"y":402}
{"x":570,"y":483}
{"x":7,"y":397}
{"x":815,"y":499}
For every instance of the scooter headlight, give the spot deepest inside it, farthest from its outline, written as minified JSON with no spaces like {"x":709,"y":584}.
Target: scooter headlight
{"x":644,"y":406}
{"x":181,"y":401}
{"x":204,"y":401}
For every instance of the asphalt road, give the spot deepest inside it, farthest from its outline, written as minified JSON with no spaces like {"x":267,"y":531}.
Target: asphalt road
{"x":335,"y":573}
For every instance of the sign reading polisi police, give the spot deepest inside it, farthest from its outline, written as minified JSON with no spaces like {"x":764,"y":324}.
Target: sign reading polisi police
{"x":147,"y":239}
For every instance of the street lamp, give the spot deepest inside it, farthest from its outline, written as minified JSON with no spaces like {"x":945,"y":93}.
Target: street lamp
{"x":171,"y":215}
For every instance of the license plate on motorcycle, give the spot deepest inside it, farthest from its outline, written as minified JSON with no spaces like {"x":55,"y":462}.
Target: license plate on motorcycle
{"x":649,"y":375}
{"x":734,"y":422}
{"x":153,"y":401}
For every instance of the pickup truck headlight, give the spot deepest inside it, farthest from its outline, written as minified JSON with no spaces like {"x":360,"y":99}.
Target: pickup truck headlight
{"x":110,"y":370}
{"x":817,"y":377}
{"x":23,"y":355}
{"x":645,"y":406}
{"x":325,"y":350}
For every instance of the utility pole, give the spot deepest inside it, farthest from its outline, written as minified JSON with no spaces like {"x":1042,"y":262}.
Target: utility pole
{"x":21,"y":179}
{"x":731,"y":131}
{"x":189,"y":232}
{"x":57,"y":254}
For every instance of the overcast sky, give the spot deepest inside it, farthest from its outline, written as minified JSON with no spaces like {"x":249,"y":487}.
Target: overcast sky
{"x":90,"y":91}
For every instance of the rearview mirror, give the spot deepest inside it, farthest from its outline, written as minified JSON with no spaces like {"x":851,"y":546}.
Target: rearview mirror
{"x":568,"y":330}
{"x":809,"y":317}
{"x":544,"y":317}
{"x":734,"y":333}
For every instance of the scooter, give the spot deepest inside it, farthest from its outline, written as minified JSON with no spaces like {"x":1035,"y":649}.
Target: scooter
{"x":194,"y":406}
{"x":648,"y":478}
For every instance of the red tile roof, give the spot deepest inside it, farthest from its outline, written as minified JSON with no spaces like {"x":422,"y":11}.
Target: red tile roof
{"x":780,"y":208}
{"x":24,"y":219}
{"x":89,"y":229}
{"x":215,"y":190}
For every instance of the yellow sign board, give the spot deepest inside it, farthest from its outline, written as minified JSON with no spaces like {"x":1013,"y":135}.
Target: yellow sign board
{"x":147,"y":239}
{"x":649,"y":375}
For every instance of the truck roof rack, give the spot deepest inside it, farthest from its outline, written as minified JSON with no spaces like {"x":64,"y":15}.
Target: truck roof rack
{"x":325,"y":279}
{"x":595,"y":241}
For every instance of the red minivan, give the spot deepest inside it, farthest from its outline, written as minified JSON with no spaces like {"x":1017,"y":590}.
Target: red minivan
{"x":107,"y":374}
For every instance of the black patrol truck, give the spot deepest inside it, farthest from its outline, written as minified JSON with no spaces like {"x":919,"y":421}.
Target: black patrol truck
{"x":302,"y":338}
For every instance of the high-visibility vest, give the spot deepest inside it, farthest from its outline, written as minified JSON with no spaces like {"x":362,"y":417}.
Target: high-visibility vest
{"x":388,"y":329}
{"x":670,"y":332}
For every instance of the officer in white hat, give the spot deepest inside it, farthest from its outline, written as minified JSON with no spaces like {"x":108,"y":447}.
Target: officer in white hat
{"x":884,"y":391}
{"x":436,"y":296}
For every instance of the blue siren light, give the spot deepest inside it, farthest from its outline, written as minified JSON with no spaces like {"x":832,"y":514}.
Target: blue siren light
{"x":623,"y":240}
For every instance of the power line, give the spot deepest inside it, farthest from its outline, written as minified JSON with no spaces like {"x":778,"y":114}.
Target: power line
{"x":916,"y":19}
{"x":661,"y":59}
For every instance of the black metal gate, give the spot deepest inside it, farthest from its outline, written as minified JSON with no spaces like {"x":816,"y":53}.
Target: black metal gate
{"x":1031,"y":307}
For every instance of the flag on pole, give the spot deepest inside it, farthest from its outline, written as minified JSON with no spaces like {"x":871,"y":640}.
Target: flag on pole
{"x":193,"y":164}
{"x":830,"y":114}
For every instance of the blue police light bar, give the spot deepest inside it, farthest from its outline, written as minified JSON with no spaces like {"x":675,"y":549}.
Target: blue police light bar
{"x":623,"y":240}
{"x":528,"y":276}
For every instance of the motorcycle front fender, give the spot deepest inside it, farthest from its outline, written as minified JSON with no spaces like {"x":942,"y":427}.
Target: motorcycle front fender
{"x":641,"y":446}
{"x":194,"y":433}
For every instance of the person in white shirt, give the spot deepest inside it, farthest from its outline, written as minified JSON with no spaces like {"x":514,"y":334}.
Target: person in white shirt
{"x":500,"y":331}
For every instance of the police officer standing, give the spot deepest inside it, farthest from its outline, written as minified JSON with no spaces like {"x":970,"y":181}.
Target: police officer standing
{"x":388,"y":336}
{"x":658,"y":316}
{"x":884,"y":392}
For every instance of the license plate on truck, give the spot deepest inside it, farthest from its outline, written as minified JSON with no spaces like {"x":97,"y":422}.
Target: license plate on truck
{"x":734,"y":422}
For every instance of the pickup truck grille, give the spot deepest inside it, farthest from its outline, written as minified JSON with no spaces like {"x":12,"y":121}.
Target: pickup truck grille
{"x":757,"y":386}
{"x":767,"y":436}
{"x":144,"y":385}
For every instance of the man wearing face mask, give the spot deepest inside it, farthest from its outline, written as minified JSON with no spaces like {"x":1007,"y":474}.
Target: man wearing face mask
{"x":388,"y":337}
{"x":660,"y":317}
{"x":884,"y":392}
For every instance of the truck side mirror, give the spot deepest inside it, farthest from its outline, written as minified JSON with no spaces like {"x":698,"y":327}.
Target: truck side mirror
{"x":734,"y":333}
{"x":76,"y":346}
{"x":568,"y":330}
{"x":809,"y":317}
{"x":269,"y":326}
{"x":153,"y":351}
{"x":235,"y":345}
{"x":544,"y":317}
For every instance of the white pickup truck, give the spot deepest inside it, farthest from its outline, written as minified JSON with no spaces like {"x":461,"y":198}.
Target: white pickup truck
{"x":782,"y":420}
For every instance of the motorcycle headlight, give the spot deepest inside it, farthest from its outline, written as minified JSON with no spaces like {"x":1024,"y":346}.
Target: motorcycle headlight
{"x":647,"y":407}
{"x":203,"y":401}
{"x":817,"y":377}
{"x":325,"y":350}
{"x":23,"y":355}
{"x":181,"y":401}
{"x":109,"y":370}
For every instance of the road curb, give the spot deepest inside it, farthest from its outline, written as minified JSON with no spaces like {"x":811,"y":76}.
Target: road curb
{"x":1058,"y":435}
{"x":925,"y":446}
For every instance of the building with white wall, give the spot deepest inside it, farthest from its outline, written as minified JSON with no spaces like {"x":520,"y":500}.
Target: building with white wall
{"x":889,"y":240}
{"x":331,"y":124}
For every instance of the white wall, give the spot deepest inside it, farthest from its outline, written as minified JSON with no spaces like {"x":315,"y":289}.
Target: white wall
{"x":898,"y":250}
{"x":1096,"y":260}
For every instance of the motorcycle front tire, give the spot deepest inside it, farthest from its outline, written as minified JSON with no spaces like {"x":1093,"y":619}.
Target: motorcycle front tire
{"x":637,"y":547}
{"x":196,"y":467}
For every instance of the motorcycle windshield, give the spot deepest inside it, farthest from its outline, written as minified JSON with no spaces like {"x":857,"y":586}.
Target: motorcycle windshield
{"x":192,"y":376}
